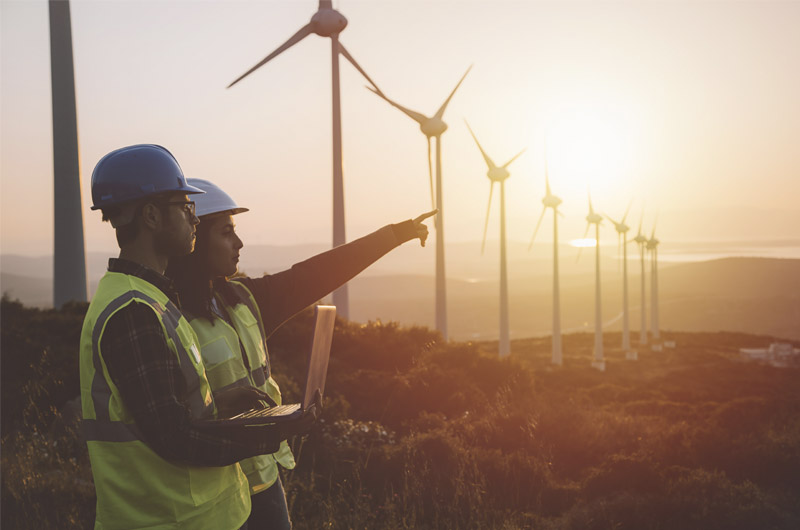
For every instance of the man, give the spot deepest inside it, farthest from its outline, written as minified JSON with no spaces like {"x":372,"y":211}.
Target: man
{"x":157,"y":461}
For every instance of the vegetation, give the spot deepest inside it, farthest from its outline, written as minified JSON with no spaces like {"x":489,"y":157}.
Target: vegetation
{"x":421,"y":434}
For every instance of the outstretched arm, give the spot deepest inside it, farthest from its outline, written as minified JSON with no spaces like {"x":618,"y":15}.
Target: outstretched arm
{"x":282,"y":295}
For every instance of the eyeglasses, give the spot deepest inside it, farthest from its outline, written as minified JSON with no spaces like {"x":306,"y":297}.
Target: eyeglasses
{"x":188,"y":207}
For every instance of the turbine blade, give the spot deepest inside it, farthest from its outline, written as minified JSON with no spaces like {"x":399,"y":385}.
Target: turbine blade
{"x":655,"y":222}
{"x":294,"y":39}
{"x":430,"y":175}
{"x":628,"y":209}
{"x":591,"y":209}
{"x":546,"y":175}
{"x":546,"y":171}
{"x":535,"y":230}
{"x":514,"y":158}
{"x":416,"y":116}
{"x":616,"y":224}
{"x":488,"y":209}
{"x":440,"y":112}
{"x":641,"y":219}
{"x":489,"y":161}
{"x":349,"y":57}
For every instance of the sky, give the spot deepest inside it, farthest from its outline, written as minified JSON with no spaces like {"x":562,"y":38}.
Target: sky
{"x":688,"y":109}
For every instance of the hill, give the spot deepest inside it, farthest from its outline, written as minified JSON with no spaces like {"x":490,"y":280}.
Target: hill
{"x":753,"y":295}
{"x":417,"y":433}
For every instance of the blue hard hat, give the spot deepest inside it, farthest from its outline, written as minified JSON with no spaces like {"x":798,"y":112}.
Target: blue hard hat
{"x":214,"y":200}
{"x":136,"y":172}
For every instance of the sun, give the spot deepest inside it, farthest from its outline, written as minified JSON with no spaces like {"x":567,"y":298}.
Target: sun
{"x":591,"y":145}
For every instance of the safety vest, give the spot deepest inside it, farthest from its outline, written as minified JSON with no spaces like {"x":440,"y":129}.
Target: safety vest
{"x":136,"y":488}
{"x":237,"y":355}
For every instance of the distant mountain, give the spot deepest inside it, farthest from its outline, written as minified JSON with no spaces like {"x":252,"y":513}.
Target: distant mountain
{"x":33,"y":291}
{"x":752,"y":295}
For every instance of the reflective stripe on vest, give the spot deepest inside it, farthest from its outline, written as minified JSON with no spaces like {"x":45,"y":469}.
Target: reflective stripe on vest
{"x":100,"y":388}
{"x":221,"y":346}
{"x":136,"y":488}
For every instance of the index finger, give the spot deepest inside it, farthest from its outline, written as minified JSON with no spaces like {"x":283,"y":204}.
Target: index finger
{"x":425,"y":216}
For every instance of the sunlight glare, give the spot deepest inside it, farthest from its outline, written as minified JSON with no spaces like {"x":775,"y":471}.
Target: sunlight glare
{"x":591,"y":145}
{"x":582,"y":243}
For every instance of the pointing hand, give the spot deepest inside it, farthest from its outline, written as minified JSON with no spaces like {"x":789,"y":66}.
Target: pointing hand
{"x":422,"y":229}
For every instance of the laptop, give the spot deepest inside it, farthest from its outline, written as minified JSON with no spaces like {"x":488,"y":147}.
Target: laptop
{"x":320,"y":349}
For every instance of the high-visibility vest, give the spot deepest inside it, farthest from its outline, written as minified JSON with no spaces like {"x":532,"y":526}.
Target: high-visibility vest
{"x":227,"y":365}
{"x":136,"y":488}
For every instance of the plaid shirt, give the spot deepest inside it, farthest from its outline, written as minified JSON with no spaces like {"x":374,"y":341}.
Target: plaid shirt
{"x":149,"y":379}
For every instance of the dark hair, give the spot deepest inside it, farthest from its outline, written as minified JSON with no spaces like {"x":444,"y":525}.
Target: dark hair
{"x":192,"y":277}
{"x":128,"y":232}
{"x":194,"y":281}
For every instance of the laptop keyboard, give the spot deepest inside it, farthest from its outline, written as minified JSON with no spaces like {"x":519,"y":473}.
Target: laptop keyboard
{"x":280,"y":410}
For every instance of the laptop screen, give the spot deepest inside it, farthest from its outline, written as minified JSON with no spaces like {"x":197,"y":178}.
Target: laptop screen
{"x":320,"y":352}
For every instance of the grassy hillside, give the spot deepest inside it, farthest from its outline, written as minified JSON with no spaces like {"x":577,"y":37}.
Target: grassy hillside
{"x":420,"y":434}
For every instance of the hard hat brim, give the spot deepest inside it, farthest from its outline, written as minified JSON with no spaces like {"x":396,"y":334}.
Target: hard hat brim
{"x":187,"y":189}
{"x":232,"y":211}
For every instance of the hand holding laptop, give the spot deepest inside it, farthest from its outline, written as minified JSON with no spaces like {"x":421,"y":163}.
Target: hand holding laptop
{"x":238,"y":399}
{"x":311,"y":406}
{"x":306,"y":422}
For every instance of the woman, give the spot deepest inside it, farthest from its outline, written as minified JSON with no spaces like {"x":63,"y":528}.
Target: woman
{"x":234,"y":318}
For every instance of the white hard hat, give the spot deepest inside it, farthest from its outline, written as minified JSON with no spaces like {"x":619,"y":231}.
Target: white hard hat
{"x":214,"y":200}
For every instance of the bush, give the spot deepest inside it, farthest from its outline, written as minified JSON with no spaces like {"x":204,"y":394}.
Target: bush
{"x":417,"y":433}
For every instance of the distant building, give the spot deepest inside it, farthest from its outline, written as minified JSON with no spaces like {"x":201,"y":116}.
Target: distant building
{"x":780,"y":354}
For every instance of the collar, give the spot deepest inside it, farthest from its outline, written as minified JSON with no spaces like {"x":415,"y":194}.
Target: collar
{"x":161,"y":282}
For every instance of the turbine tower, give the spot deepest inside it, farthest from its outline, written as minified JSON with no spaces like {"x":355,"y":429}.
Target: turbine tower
{"x":622,"y":241}
{"x":499,"y":174}
{"x":551,"y":201}
{"x":641,"y":242}
{"x":433,"y":128}
{"x":652,"y":246}
{"x":69,"y":250}
{"x":327,"y":22}
{"x":595,"y":219}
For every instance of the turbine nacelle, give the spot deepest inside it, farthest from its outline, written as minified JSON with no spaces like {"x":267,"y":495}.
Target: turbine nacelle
{"x":498,"y":174}
{"x":433,"y":127}
{"x":652,"y":243}
{"x":640,"y":239}
{"x":328,"y":22}
{"x":622,"y":228}
{"x":551,"y":201}
{"x":594,"y":218}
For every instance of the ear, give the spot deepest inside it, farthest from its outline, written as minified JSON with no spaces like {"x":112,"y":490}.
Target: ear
{"x":151,"y":216}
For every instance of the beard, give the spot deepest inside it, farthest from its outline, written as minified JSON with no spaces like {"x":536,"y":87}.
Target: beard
{"x":170,"y":243}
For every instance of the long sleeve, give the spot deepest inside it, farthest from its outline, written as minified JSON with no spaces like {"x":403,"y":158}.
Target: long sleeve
{"x":282,"y":295}
{"x":148,"y":376}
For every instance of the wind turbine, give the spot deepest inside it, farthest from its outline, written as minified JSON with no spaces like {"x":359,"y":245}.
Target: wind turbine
{"x":69,"y":250}
{"x":641,"y":242}
{"x":551,"y":201}
{"x":595,"y":219}
{"x":499,"y":174}
{"x":652,"y":246}
{"x":433,"y":128}
{"x":327,"y":22}
{"x":622,"y":230}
